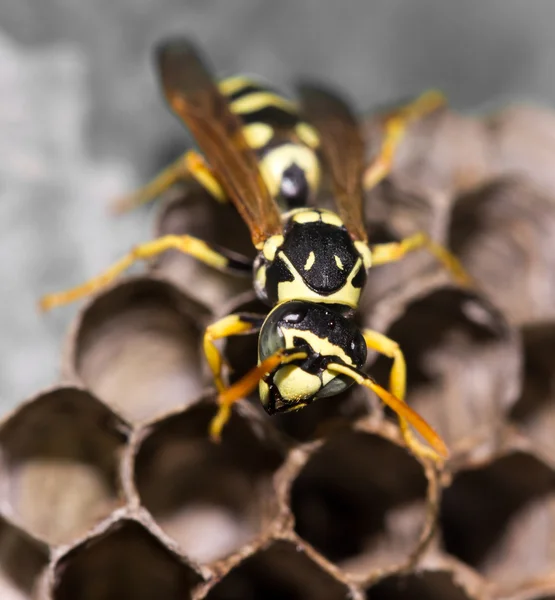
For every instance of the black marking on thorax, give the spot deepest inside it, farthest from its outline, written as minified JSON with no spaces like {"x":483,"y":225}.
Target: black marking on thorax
{"x":335,"y":254}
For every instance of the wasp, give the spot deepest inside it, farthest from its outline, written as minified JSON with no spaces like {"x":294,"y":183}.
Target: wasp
{"x":311,"y":264}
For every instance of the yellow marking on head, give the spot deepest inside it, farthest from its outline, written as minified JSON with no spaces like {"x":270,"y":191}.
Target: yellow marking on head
{"x":298,"y":290}
{"x":305,"y":215}
{"x":321,"y":345}
{"x":309,"y":261}
{"x":338,"y":262}
{"x":294,"y":384}
{"x":257,"y":100}
{"x":308,"y":135}
{"x":232,"y":85}
{"x":365,"y":253}
{"x":331,"y":218}
{"x":276,"y":161}
{"x":271,"y":246}
{"x":257,"y":134}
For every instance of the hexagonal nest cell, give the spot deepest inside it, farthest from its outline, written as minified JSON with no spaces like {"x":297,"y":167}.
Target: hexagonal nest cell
{"x":124,"y":561}
{"x":426,"y":585}
{"x":111,"y":488}
{"x":136,"y":346}
{"x":212,"y":499}
{"x":362,"y":502}
{"x":280,"y":570}
{"x":60,"y":458}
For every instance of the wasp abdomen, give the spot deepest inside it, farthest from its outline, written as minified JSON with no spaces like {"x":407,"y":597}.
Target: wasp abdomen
{"x":285,"y":145}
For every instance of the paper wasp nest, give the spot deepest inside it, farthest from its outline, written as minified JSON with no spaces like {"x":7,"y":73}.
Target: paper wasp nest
{"x":110,"y":488}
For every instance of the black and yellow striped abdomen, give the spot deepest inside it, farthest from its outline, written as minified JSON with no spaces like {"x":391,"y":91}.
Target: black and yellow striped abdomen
{"x":285,"y":145}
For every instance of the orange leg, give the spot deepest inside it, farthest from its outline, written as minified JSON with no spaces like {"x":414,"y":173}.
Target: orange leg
{"x":246,"y":385}
{"x":438,"y":451}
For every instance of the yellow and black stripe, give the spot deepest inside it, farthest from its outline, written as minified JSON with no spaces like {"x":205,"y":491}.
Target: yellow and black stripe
{"x":256,"y":102}
{"x":285,"y":145}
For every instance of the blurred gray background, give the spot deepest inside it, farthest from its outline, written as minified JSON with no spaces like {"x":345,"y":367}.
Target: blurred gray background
{"x":82,"y":120}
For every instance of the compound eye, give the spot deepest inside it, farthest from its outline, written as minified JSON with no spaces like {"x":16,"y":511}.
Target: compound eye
{"x":271,"y":337}
{"x":335,"y":386}
{"x":359,"y":350}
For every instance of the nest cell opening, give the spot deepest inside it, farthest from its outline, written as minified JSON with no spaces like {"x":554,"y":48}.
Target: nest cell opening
{"x":124,"y":563}
{"x":503,"y":233}
{"x":535,"y":410}
{"x":281,"y":572}
{"x":427,"y":585}
{"x":60,"y":464}
{"x":192,"y":211}
{"x":462,"y":363}
{"x":499,"y":519}
{"x":137,"y":348}
{"x":211,"y":498}
{"x":361,"y":501}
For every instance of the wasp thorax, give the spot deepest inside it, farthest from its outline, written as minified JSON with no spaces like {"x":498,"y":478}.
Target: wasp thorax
{"x":315,"y":260}
{"x":325,"y":335}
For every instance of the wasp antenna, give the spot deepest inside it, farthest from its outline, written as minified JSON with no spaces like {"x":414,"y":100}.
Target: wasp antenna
{"x":404,"y":412}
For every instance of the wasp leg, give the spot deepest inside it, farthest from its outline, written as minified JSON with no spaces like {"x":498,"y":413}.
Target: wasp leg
{"x":438,"y":451}
{"x":190,"y":164}
{"x":245,"y":386}
{"x":397,"y":384}
{"x":395,"y":127}
{"x":184,"y":243}
{"x":239,"y":324}
{"x":393,"y":251}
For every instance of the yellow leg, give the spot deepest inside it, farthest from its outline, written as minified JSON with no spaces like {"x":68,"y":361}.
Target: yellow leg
{"x":184,"y":243}
{"x":395,"y":127}
{"x":190,"y":164}
{"x":438,"y":451}
{"x":245,"y":386}
{"x":385,"y":253}
{"x":239,"y":324}
{"x":397,"y":385}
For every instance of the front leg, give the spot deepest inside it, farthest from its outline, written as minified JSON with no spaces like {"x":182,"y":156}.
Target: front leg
{"x":242,"y":388}
{"x":238,"y":324}
{"x":222,"y":260}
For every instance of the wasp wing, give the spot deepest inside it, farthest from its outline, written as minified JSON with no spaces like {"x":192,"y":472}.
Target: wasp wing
{"x":342,"y":150}
{"x":192,"y":94}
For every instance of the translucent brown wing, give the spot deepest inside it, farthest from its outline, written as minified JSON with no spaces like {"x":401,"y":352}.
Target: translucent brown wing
{"x":192,"y":94}
{"x":342,"y":150}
